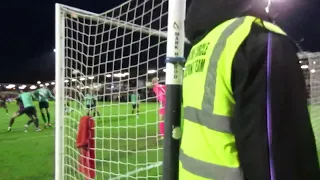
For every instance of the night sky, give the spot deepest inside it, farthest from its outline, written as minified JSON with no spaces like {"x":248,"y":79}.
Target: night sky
{"x":27,"y":34}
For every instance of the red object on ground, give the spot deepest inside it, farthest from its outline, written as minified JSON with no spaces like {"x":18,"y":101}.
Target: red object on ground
{"x":86,"y":145}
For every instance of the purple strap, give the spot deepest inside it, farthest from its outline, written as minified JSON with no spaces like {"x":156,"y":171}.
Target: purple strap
{"x":269,"y":113}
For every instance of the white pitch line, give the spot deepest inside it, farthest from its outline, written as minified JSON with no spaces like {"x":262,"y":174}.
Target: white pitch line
{"x":137,"y":171}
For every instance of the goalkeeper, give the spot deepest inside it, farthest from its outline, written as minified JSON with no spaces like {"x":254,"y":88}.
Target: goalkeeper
{"x":43,"y":95}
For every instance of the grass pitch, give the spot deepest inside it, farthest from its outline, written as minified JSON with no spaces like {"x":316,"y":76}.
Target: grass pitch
{"x":127,"y":147}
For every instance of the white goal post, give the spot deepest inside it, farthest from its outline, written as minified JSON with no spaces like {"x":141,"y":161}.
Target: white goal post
{"x":112,"y":57}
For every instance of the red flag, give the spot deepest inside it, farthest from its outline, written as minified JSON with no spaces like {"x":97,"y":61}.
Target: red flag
{"x":86,"y":145}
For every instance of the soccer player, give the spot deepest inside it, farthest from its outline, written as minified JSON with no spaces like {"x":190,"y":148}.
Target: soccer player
{"x":91,"y":101}
{"x":135,"y":100}
{"x":160,"y":91}
{"x":43,"y":95}
{"x":3,"y":103}
{"x":28,"y":109}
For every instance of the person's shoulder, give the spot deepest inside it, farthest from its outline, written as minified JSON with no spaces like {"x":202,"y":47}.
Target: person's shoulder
{"x":259,"y":38}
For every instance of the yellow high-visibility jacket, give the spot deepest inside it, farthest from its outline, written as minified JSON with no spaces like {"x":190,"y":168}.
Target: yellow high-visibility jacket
{"x":208,"y":146}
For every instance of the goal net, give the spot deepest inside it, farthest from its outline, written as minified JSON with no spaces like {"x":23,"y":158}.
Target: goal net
{"x":111,"y":57}
{"x":310,"y":64}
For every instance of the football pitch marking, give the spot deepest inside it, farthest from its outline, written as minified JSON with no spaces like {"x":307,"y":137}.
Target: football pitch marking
{"x":137,"y":171}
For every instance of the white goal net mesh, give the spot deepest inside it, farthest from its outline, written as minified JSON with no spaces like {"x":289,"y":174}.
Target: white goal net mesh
{"x":110,"y":57}
{"x":310,"y":64}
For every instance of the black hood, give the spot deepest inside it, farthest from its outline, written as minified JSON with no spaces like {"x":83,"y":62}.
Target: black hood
{"x":204,"y":15}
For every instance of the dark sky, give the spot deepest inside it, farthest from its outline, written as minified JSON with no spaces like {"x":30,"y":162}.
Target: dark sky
{"x":27,"y":34}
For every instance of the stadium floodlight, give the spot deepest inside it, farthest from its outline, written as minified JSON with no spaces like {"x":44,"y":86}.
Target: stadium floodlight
{"x":73,"y":80}
{"x":119,"y":75}
{"x":90,"y":77}
{"x":54,"y":50}
{"x":108,"y":75}
{"x":38,"y":82}
{"x":304,"y":67}
{"x":52,"y":83}
{"x":12,"y":85}
{"x":22,"y":87}
{"x":33,"y":87}
{"x":41,"y":85}
{"x":47,"y":84}
{"x":152,"y":71}
{"x":129,"y":40}
{"x":164,"y":70}
{"x":66,"y":80}
{"x":312,"y":70}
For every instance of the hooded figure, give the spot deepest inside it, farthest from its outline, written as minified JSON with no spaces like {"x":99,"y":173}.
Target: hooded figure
{"x":284,"y":148}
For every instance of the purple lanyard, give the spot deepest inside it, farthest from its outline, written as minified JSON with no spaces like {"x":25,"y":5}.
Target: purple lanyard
{"x":269,"y":112}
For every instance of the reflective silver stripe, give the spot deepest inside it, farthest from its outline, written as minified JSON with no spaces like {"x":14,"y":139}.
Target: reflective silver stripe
{"x":208,"y":170}
{"x":211,"y":121}
{"x":197,"y":167}
{"x":210,"y":83}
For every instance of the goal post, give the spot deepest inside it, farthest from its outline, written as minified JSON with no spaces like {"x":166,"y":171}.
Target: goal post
{"x":174,"y":77}
{"x":112,"y":57}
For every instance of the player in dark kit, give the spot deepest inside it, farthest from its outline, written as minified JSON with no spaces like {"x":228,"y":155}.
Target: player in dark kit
{"x":3,"y":103}
{"x":43,"y":94}
{"x":28,"y":108}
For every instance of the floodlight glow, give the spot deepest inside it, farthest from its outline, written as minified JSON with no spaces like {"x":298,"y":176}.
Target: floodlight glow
{"x":304,"y":67}
{"x":47,"y":84}
{"x":12,"y":85}
{"x":22,"y":87}
{"x":126,"y":74}
{"x":164,"y":70}
{"x":78,"y":86}
{"x":119,"y":75}
{"x":91,"y":77}
{"x":312,"y":70}
{"x":152,"y":71}
{"x":73,"y":80}
{"x":33,"y":87}
{"x":108,"y":75}
{"x":314,"y":62}
{"x":41,"y":85}
{"x":54,"y":50}
{"x":300,"y":62}
{"x":66,"y":80}
{"x":38,"y":82}
{"x":9,"y":87}
{"x":82,"y":79}
{"x":53,"y":83}
{"x":76,"y":71}
{"x":86,"y":87}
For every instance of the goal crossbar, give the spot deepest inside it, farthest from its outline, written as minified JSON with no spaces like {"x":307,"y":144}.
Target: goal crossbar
{"x":116,"y":22}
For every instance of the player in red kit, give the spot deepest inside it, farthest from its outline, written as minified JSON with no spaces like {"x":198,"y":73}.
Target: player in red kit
{"x":160,"y":91}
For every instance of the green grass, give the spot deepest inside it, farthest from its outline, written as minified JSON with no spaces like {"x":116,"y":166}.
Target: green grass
{"x":124,"y":144}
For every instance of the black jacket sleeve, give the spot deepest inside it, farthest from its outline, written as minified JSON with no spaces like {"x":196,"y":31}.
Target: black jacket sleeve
{"x":293,"y":151}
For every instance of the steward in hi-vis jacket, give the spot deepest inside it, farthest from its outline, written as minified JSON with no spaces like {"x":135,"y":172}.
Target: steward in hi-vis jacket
{"x":239,"y":122}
